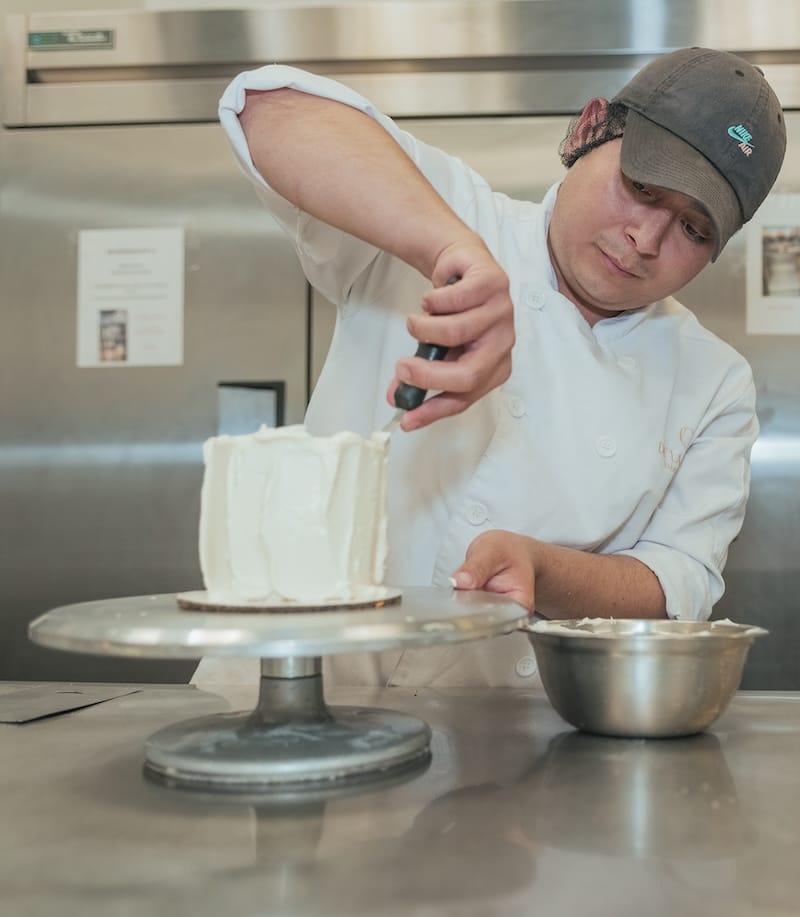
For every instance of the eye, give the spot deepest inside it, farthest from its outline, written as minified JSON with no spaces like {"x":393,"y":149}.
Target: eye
{"x":696,"y":233}
{"x":642,"y":189}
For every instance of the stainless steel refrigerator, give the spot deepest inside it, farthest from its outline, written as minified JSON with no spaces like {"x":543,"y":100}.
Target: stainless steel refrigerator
{"x":109,"y":124}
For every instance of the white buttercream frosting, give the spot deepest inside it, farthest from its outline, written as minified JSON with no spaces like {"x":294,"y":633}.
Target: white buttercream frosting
{"x":286,"y":516}
{"x":652,"y":629}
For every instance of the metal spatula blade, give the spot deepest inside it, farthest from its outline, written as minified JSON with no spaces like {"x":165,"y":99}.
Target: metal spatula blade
{"x":394,"y":423}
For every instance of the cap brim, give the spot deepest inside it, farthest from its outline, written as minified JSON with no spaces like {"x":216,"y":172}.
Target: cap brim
{"x":655,"y":156}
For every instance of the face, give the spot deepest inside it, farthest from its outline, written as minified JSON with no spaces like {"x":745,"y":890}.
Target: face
{"x":617,"y":245}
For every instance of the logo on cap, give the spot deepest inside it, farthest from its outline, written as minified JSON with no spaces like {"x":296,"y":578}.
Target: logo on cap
{"x":742,"y":134}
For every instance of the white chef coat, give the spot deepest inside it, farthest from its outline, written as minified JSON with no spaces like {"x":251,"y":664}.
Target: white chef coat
{"x":629,"y":437}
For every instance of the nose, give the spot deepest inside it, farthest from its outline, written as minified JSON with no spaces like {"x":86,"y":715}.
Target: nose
{"x":647,"y":228}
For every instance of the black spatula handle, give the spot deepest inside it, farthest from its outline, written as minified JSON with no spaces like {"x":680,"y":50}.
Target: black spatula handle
{"x":408,"y":396}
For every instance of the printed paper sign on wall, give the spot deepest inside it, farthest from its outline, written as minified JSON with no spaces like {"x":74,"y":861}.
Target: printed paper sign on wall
{"x":130,"y":297}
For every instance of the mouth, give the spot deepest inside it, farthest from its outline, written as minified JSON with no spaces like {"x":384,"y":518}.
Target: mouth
{"x":619,"y":267}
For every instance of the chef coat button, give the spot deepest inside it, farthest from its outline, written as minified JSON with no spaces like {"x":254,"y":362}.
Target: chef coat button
{"x":535,"y":299}
{"x":516,"y":406}
{"x":525,"y":667}
{"x":605,"y":446}
{"x":477,"y":514}
{"x":627,"y":363}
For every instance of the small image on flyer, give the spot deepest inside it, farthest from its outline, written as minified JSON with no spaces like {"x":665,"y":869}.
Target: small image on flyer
{"x":113,"y":335}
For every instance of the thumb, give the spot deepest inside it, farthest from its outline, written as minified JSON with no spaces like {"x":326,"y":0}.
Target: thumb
{"x":483,"y":561}
{"x":463,"y":579}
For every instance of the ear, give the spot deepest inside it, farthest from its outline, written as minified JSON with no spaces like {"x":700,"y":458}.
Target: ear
{"x":583,"y":130}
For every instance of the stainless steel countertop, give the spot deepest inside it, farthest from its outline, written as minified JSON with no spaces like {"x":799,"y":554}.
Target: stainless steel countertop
{"x":516,"y":814}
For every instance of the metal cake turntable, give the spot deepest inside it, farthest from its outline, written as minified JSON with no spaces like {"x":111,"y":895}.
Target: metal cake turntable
{"x":292,"y":739}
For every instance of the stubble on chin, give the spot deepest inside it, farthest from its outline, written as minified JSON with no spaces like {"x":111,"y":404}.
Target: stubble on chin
{"x":594,"y":292}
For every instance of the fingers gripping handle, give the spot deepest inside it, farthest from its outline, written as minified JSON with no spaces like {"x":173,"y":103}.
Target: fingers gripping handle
{"x":408,"y":396}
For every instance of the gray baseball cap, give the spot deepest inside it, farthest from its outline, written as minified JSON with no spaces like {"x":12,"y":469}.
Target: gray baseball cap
{"x":705,"y":123}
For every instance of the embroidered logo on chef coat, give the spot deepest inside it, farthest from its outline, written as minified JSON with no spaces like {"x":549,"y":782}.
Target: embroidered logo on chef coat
{"x":672,"y":458}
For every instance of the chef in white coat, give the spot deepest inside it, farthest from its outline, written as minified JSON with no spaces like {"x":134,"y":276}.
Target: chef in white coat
{"x":587,"y":450}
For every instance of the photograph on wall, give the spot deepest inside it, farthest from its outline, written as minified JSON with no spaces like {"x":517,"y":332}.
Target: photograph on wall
{"x":773,"y":267}
{"x":113,"y":335}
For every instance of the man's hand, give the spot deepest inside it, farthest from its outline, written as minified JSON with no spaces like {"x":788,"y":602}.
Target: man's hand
{"x":560,"y":582}
{"x":501,"y":562}
{"x":474,"y":318}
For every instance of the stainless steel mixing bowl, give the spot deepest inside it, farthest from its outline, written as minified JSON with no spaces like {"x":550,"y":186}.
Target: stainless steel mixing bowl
{"x":643,"y":679}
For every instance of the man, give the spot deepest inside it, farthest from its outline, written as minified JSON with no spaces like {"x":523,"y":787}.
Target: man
{"x":588,"y":451}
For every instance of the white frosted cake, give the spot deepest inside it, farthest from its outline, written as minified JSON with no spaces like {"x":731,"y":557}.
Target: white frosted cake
{"x":287,"y":517}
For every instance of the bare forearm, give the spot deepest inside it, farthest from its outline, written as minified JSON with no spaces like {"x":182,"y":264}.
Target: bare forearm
{"x":339,"y":165}
{"x":560,"y":582}
{"x":574,"y":584}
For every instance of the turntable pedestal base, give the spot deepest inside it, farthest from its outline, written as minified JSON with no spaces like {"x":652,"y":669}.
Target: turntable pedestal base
{"x":292,"y":738}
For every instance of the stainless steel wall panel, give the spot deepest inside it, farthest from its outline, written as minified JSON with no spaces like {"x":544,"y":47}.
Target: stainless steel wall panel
{"x":128,"y":102}
{"x":406,"y":95}
{"x":100,"y":468}
{"x":413,"y":59}
{"x":433,"y":30}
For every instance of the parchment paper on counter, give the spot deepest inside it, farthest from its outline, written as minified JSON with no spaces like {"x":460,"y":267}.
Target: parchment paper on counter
{"x":46,"y":700}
